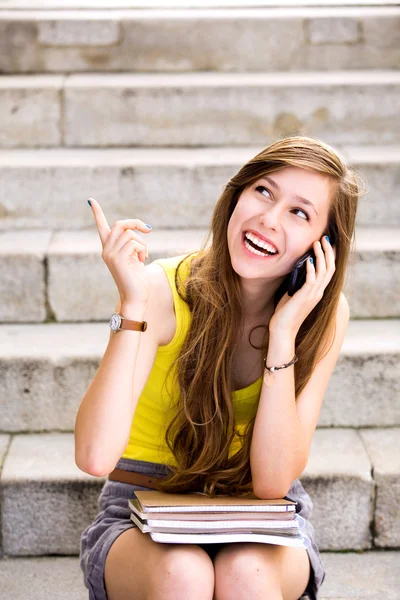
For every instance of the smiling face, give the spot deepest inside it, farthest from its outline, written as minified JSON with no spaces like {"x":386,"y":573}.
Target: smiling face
{"x":274,"y":208}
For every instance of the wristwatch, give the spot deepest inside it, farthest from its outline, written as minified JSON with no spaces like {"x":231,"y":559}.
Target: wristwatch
{"x":118,"y":323}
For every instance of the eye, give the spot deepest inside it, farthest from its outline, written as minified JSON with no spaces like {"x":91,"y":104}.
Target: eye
{"x":304,"y":213}
{"x":261,"y":187}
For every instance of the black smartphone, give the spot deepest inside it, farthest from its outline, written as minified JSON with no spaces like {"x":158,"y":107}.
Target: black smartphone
{"x":299,"y":273}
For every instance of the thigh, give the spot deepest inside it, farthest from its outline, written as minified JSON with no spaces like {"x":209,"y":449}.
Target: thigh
{"x":271,"y":565}
{"x":137,"y":568}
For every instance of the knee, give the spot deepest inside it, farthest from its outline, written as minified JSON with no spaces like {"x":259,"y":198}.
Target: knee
{"x":246,"y":572}
{"x":183,"y":571}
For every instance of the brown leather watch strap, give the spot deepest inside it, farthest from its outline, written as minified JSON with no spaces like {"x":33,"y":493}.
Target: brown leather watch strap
{"x":133,"y":325}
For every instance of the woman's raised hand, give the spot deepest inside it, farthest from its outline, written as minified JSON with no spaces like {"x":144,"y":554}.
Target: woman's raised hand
{"x":124,"y":253}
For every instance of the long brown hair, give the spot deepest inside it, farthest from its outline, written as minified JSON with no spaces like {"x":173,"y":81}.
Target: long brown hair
{"x":203,"y":427}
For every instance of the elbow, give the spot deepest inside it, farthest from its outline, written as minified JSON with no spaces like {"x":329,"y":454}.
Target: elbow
{"x":92,"y":469}
{"x":270,"y":493}
{"x":277,"y":489}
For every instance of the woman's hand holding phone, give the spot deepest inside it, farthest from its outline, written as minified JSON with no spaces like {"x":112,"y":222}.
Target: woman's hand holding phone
{"x":291,"y":311}
{"x":124,"y":253}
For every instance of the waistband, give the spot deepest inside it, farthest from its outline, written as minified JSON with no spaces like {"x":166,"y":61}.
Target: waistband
{"x":144,"y":467}
{"x":134,"y":478}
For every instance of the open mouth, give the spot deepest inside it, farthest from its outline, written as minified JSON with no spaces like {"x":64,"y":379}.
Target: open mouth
{"x":253,"y":248}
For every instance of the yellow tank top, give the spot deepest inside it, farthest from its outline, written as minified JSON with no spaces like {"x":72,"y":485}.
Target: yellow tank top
{"x":153,"y":412}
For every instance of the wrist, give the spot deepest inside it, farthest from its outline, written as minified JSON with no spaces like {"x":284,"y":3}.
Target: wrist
{"x":133,"y":312}
{"x":281,"y":349}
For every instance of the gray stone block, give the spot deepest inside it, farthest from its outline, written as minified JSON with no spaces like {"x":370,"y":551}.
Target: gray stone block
{"x":23,"y":275}
{"x":218,"y":109}
{"x":378,"y":167}
{"x":4,"y":443}
{"x":45,"y":493}
{"x":383,"y":447}
{"x":322,"y":38}
{"x":78,"y":32}
{"x":372,"y":284}
{"x":361,"y":575}
{"x":349,"y":576}
{"x":42,"y":578}
{"x":36,"y":193}
{"x":31,"y":112}
{"x":338,"y":479}
{"x":333,"y":31}
{"x":47,"y":500}
{"x":363,"y":390}
{"x":45,"y":371}
{"x":172,"y":188}
{"x":40,"y":390}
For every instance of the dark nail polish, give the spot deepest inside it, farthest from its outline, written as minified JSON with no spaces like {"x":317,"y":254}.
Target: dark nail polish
{"x":89,"y":203}
{"x":311,"y":260}
{"x":327,"y":238}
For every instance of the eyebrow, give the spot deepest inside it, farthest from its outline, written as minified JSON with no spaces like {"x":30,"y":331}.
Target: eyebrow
{"x":299,"y":198}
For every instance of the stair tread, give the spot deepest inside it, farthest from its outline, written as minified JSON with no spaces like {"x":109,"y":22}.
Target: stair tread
{"x":349,"y":576}
{"x":51,"y":457}
{"x":203,"y":79}
{"x":58,"y":341}
{"x":186,"y":156}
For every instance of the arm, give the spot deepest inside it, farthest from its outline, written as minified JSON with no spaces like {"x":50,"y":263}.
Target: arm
{"x":284,"y":427}
{"x":104,"y":418}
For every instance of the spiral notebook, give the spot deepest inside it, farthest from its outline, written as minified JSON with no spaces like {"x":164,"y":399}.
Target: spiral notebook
{"x":197,"y":518}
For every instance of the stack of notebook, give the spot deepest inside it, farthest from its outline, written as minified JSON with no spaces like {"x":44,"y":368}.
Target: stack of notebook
{"x":196,"y":518}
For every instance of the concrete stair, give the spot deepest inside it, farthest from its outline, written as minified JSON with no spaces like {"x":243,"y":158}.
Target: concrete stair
{"x":350,"y":576}
{"x":198,"y":109}
{"x":350,"y":477}
{"x":151,"y":112}
{"x":44,"y":373}
{"x":326,"y":38}
{"x":175,"y":188}
{"x":49,"y":285}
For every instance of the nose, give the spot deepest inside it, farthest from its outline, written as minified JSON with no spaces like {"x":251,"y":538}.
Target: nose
{"x":271,"y":218}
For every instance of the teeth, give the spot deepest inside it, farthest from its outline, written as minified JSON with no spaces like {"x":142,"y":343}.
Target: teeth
{"x":260,"y":243}
{"x":253,"y":250}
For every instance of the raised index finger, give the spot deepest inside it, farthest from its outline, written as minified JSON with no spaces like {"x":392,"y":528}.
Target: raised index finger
{"x":101,"y":222}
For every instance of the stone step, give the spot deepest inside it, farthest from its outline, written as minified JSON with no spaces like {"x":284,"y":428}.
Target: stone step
{"x":198,"y":109}
{"x":323,"y":38}
{"x":350,"y":476}
{"x":363,"y":575}
{"x":62,"y":277}
{"x":115,"y":4}
{"x":45,"y":370}
{"x":178,"y":186}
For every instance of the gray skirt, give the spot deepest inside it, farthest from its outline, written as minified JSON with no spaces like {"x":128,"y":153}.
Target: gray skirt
{"x":114,"y":518}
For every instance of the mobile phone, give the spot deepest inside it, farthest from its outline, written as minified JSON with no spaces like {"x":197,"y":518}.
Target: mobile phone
{"x":299,"y":273}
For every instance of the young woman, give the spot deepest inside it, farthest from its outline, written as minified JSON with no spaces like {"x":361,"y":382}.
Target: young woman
{"x":187,"y":403}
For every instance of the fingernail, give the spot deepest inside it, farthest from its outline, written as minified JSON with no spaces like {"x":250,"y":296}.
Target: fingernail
{"x":89,"y":203}
{"x":311,"y":260}
{"x":327,"y":238}
{"x":147,"y":254}
{"x":149,"y":226}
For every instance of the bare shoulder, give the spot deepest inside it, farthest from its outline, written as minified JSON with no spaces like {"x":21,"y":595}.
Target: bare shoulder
{"x":162,"y":302}
{"x":343,"y":310}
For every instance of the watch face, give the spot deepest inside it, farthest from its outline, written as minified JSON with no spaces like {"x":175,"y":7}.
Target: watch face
{"x":115,"y":322}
